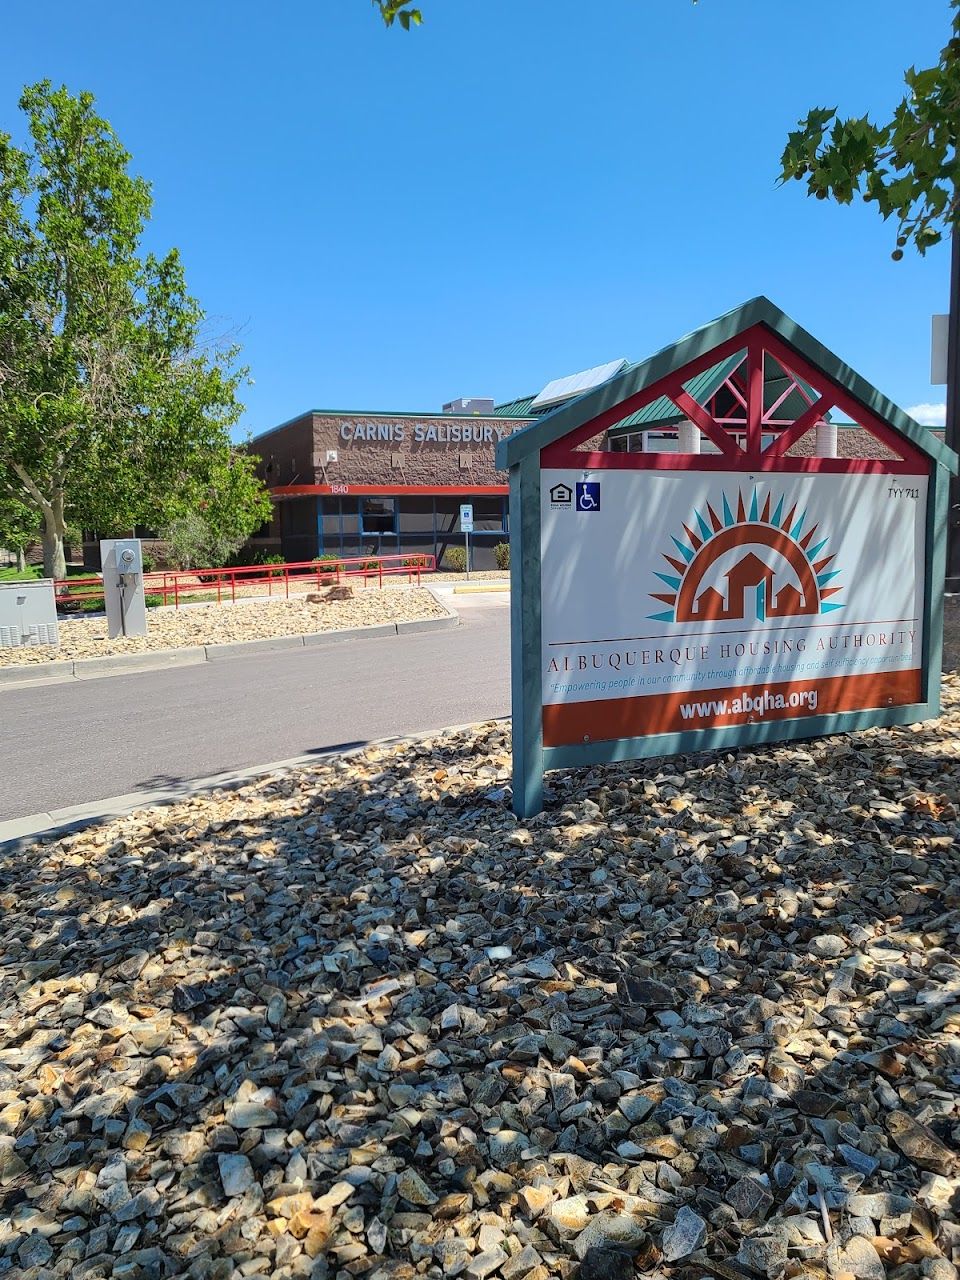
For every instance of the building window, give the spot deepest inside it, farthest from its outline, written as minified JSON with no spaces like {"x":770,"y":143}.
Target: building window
{"x":378,"y":515}
{"x":416,"y":516}
{"x":489,"y":515}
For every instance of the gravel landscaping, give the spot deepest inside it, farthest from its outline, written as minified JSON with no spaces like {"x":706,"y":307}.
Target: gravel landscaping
{"x":701,"y":1018}
{"x":222,"y":624}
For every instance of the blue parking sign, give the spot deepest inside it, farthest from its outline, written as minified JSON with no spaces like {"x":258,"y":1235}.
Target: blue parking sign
{"x":588,"y":495}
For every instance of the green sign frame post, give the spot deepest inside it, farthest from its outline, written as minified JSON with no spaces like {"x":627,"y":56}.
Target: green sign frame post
{"x":676,"y":386}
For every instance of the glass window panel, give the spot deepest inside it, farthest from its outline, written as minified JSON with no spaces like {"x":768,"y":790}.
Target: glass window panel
{"x":448,"y":515}
{"x":416,"y":516}
{"x":378,"y":515}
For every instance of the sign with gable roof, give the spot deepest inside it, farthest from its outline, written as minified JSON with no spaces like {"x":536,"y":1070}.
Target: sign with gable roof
{"x":741,"y":582}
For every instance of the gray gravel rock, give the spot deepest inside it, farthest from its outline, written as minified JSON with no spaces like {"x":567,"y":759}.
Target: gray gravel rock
{"x":684,"y":1235}
{"x":606,"y":1264}
{"x":236,"y":1174}
{"x":702,"y":1017}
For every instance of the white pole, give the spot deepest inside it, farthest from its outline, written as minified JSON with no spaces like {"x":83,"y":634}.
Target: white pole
{"x":826,"y":440}
{"x":688,"y":438}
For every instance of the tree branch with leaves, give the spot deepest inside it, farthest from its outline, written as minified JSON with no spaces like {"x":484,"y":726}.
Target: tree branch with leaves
{"x":906,"y":166}
{"x":392,"y":11}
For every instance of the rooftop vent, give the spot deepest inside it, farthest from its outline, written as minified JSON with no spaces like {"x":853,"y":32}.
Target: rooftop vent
{"x":575,"y":384}
{"x":476,"y":406}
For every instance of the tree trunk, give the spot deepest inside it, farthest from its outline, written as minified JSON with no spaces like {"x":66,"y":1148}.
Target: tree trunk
{"x":21,"y":560}
{"x":54,"y":559}
{"x":54,"y":525}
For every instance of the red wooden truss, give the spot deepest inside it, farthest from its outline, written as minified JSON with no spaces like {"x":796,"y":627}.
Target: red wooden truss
{"x":750,"y":436}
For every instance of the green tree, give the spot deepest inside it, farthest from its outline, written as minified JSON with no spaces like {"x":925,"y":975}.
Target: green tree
{"x":207,"y":530}
{"x":906,"y":166}
{"x":115,"y":409}
{"x":19,"y":526}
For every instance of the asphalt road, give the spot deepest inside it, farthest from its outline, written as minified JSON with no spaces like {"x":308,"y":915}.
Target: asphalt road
{"x":84,"y":740}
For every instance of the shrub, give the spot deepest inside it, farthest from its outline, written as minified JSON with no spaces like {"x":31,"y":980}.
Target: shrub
{"x":192,"y":541}
{"x":274,"y":559}
{"x":328,"y":563}
{"x":501,"y":553}
{"x":247,"y":556}
{"x":149,"y":564}
{"x":456,"y":559}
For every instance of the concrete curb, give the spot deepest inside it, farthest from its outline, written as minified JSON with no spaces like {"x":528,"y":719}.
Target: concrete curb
{"x":21,"y":833}
{"x":429,"y":624}
{"x":122,"y":663}
{"x":160,"y":659}
{"x":354,"y":633}
{"x":28,"y":675}
{"x":236,"y":648}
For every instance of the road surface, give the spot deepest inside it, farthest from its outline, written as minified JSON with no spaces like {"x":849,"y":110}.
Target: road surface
{"x":79,"y":741}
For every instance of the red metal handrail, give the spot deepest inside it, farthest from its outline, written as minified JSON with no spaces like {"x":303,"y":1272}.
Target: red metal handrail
{"x":176,"y":584}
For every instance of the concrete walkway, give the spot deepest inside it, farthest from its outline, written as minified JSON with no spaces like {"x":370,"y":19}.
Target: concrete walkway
{"x":78,"y":742}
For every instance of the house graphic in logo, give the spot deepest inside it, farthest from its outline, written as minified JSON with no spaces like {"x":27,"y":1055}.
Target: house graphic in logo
{"x":749,"y":566}
{"x":561,"y":495}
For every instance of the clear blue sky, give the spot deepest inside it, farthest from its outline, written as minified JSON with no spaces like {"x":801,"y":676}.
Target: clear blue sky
{"x":515,"y":191}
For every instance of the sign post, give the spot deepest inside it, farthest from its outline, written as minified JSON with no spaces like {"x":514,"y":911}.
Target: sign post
{"x":684,"y":601}
{"x":466,"y":528}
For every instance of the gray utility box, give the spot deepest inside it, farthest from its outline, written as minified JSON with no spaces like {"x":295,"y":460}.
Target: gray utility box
{"x":28,"y":613}
{"x":126,"y":607}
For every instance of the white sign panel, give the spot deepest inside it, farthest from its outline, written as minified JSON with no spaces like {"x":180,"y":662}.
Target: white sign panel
{"x":712,"y":598}
{"x":466,"y":517}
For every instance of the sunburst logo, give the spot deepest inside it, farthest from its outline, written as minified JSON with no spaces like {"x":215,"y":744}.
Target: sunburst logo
{"x":752,"y":564}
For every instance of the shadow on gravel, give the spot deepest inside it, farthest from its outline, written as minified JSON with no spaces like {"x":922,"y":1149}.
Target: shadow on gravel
{"x":374,"y":955}
{"x":168,"y":781}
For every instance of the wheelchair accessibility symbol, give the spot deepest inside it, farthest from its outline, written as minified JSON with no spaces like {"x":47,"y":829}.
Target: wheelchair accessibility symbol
{"x":588,"y":495}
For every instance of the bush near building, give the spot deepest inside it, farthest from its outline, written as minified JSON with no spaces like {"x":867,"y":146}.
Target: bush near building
{"x":455,"y":559}
{"x":501,"y":553}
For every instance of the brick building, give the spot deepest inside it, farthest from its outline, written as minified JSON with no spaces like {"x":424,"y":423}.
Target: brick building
{"x":351,"y":483}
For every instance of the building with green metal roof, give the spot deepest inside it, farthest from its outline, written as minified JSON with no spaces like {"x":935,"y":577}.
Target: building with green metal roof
{"x":351,"y":482}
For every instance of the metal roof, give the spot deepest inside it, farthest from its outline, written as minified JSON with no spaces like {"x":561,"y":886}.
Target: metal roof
{"x":663,"y":412}
{"x":519,"y":408}
{"x":567,"y":417}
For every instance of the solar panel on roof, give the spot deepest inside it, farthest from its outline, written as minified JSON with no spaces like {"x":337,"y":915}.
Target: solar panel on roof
{"x":575,"y":384}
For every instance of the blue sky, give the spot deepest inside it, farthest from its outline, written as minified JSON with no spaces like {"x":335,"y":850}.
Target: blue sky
{"x":515,"y":191}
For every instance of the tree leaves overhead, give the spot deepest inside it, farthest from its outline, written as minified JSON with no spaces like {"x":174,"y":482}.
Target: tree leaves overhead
{"x":906,"y":166}
{"x":399,"y":11}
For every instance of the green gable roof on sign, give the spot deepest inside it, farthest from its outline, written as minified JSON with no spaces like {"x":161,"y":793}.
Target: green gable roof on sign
{"x":661,"y":412}
{"x":636,"y":378}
